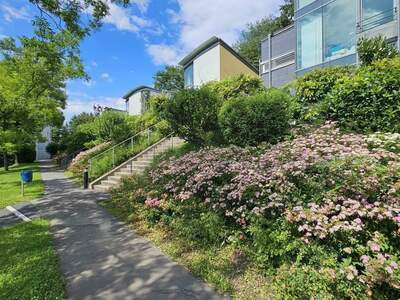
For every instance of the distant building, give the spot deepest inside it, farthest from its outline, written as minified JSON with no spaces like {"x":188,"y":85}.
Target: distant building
{"x":137,"y":99}
{"x":325,"y":33}
{"x":41,"y":152}
{"x":214,"y":60}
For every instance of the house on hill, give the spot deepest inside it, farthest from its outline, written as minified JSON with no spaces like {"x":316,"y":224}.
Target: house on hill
{"x":137,"y":99}
{"x":214,"y":60}
{"x":325,"y":33}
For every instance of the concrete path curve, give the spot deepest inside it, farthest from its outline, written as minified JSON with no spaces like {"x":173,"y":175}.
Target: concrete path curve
{"x":102,"y":258}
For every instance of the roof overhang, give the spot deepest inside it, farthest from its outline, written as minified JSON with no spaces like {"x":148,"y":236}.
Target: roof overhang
{"x":209,"y":44}
{"x":138,"y":89}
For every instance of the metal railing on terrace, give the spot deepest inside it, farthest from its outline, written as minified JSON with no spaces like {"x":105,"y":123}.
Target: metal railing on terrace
{"x":377,"y":20}
{"x":114,"y":156}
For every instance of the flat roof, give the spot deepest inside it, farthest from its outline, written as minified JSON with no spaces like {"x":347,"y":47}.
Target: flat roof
{"x":137,"y":89}
{"x":209,"y":44}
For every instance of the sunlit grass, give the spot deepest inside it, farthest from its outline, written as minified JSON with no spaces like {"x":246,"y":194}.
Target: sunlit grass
{"x":10,"y":185}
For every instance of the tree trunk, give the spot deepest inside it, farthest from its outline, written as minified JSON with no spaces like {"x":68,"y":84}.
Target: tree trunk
{"x":16,"y":159}
{"x":5,"y":161}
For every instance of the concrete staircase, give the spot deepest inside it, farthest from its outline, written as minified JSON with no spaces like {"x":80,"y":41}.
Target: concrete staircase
{"x":136,"y":164}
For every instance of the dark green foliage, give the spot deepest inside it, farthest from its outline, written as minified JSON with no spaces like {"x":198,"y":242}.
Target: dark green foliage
{"x":261,"y":118}
{"x":373,"y":49}
{"x":249,"y":42}
{"x":370,"y":100}
{"x":169,"y":79}
{"x":193,"y":115}
{"x":52,"y":149}
{"x":241,"y":85}
{"x":313,"y":88}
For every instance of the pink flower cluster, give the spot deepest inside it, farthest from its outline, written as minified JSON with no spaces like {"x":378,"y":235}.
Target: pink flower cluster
{"x":240,"y":183}
{"x":152,"y":202}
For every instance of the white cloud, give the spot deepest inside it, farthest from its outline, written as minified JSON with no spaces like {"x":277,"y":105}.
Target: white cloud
{"x":200,"y":20}
{"x":123,"y":18}
{"x":163,"y":54}
{"x":94,"y":63}
{"x":106,"y":77}
{"x":11,"y":13}
{"x":80,"y":102}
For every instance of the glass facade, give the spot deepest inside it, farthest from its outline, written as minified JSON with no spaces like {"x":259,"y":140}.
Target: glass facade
{"x":376,"y":13}
{"x":188,"y":76}
{"x":327,"y":33}
{"x":302,"y":3}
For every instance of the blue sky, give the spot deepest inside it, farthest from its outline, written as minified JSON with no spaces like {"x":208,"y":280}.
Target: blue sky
{"x":137,"y":41}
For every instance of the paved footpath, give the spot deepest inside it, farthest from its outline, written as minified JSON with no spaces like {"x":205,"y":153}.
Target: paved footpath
{"x":102,"y":258}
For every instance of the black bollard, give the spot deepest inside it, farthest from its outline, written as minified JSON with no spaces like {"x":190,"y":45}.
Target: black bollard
{"x":85,"y":179}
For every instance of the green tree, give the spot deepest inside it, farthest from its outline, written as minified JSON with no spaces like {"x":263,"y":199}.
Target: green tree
{"x":250,"y":39}
{"x":169,"y":79}
{"x":32,"y":77}
{"x":373,"y":49}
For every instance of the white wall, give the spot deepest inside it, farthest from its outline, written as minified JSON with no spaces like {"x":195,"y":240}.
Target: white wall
{"x":207,"y":66}
{"x":41,"y":152}
{"x":134,"y":104}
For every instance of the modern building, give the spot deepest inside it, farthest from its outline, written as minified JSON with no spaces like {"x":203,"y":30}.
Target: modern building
{"x":214,"y":60}
{"x":325,"y":33}
{"x":137,"y":99}
{"x":41,"y":152}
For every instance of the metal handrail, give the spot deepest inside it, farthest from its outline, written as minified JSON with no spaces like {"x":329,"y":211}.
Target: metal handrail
{"x":377,"y":19}
{"x":112,"y":149}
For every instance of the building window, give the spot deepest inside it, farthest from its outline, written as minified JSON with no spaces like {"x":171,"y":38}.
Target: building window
{"x":339,"y":29}
{"x":309,"y":40}
{"x":188,"y":75}
{"x":302,"y":3}
{"x":376,"y":13}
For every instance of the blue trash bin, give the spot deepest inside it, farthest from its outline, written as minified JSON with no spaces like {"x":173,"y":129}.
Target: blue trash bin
{"x":26,"y":176}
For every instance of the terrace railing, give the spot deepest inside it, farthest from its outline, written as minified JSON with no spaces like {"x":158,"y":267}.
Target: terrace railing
{"x":376,"y":20}
{"x":114,"y":156}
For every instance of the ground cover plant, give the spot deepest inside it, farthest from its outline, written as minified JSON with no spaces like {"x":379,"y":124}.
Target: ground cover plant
{"x":10,"y":185}
{"x":29,"y":264}
{"x":317,"y":215}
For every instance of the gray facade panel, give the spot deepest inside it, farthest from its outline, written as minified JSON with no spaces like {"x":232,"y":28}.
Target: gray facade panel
{"x":283,"y":75}
{"x":347,"y":60}
{"x":265,"y":50}
{"x":284,"y":42}
{"x":265,"y":79}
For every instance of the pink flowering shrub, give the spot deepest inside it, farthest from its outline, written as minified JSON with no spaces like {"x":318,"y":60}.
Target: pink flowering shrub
{"x":323,"y":201}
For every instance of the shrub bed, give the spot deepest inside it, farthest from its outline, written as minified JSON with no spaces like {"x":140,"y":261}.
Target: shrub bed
{"x":319,"y":213}
{"x":250,"y":120}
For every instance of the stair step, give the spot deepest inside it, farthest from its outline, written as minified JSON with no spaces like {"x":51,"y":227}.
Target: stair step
{"x":109,"y":183}
{"x":101,"y":188}
{"x":141,"y":163}
{"x":114,"y":177}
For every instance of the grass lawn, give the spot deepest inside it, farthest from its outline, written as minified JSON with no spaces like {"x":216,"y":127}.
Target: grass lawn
{"x":28,"y":263}
{"x":10,"y":185}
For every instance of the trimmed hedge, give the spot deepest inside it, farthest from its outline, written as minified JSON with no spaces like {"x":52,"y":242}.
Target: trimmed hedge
{"x":193,"y":115}
{"x":369,"y":101}
{"x":261,"y":118}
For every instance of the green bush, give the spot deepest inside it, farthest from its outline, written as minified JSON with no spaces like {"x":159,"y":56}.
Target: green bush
{"x":251,"y":120}
{"x":193,"y":115}
{"x":241,"y":85}
{"x":369,"y":101}
{"x":52,"y":149}
{"x":313,"y":88}
{"x":373,"y":49}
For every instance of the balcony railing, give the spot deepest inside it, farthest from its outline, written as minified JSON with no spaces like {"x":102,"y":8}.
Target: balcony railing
{"x":377,"y":20}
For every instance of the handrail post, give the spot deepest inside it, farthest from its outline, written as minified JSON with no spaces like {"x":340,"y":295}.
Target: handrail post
{"x":148,"y":137}
{"x":90,"y":168}
{"x":113,"y":157}
{"x":132,"y":144}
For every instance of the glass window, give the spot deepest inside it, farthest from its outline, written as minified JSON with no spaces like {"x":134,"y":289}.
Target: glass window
{"x":189,"y":76}
{"x":302,"y":3}
{"x":377,"y":12}
{"x":309,"y":40}
{"x":339,"y":29}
